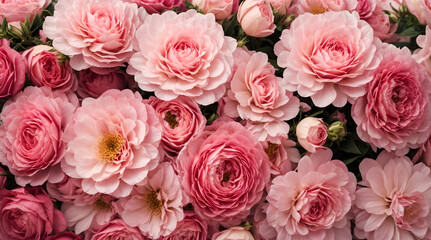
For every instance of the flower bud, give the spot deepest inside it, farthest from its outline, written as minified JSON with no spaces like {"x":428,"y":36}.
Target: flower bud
{"x":337,"y":131}
{"x":220,"y":9}
{"x":311,"y":133}
{"x":256,"y":18}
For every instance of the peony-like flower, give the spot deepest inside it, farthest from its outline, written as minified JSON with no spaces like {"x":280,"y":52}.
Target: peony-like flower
{"x":312,"y":133}
{"x":33,"y":124}
{"x":280,"y":5}
{"x":328,"y":57}
{"x":15,"y":11}
{"x":157,"y":6}
{"x":28,"y":213}
{"x":256,"y":18}
{"x":256,"y":94}
{"x":185,"y":54}
{"x":312,"y":202}
{"x":320,"y":6}
{"x":394,"y":200}
{"x":233,"y":233}
{"x":94,"y":33}
{"x":395,"y":113}
{"x":365,"y":8}
{"x":221,"y":9}
{"x":192,"y":227}
{"x":421,"y":9}
{"x":117,"y":229}
{"x":12,"y":70}
{"x":156,"y":206}
{"x":93,"y":84}
{"x":224,"y":171}
{"x":64,"y":236}
{"x":45,"y":69}
{"x":112,"y":143}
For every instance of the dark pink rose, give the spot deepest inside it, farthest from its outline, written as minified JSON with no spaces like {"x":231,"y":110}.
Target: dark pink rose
{"x":118,"y":229}
{"x":157,"y":6}
{"x":12,"y":70}
{"x":64,"y":236}
{"x":28,"y":213}
{"x":93,"y":84}
{"x":192,"y":227}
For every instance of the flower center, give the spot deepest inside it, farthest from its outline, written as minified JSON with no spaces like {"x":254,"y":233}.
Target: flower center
{"x":153,"y":202}
{"x":171,"y":119}
{"x":316,"y":9}
{"x":110,"y":146}
{"x":102,"y":203}
{"x":271,"y":150}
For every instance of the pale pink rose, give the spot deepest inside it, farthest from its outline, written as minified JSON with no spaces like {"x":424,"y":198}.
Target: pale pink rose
{"x":45,"y":69}
{"x":261,"y":228}
{"x":94,"y":33}
{"x":233,"y":233}
{"x":224,"y":171}
{"x":192,"y":55}
{"x":256,"y":94}
{"x":33,"y":124}
{"x":156,"y":206}
{"x":365,"y":8}
{"x":328,"y":57}
{"x":312,"y":202}
{"x":93,"y":84}
{"x":64,"y":236}
{"x":280,"y":5}
{"x":12,"y":70}
{"x":275,"y":131}
{"x":221,"y":9}
{"x":192,"y":227}
{"x":117,"y":229}
{"x":380,"y":23}
{"x":395,"y":113}
{"x":421,"y":9}
{"x":3,"y":179}
{"x":157,"y":6}
{"x":17,"y":10}
{"x":394,"y":200}
{"x":424,"y":153}
{"x":312,"y":133}
{"x":181,"y":119}
{"x":28,"y":213}
{"x":256,"y":18}
{"x":320,"y":6}
{"x":112,"y":143}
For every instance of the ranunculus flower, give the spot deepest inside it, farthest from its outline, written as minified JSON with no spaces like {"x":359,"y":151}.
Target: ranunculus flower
{"x":421,"y":9}
{"x":45,"y":69}
{"x":256,"y":18}
{"x":233,"y":233}
{"x":17,"y":10}
{"x":221,"y":9}
{"x":64,"y":236}
{"x":394,"y":199}
{"x":3,"y":179}
{"x":365,"y":8}
{"x":112,"y":143}
{"x":157,"y":6}
{"x":93,"y":84}
{"x":192,"y":227}
{"x":224,"y":171}
{"x":328,"y":57}
{"x":117,"y":229}
{"x":94,"y":33}
{"x":280,"y":5}
{"x":156,"y":205}
{"x":312,"y":133}
{"x":28,"y":213}
{"x":312,"y":202}
{"x":320,"y":6}
{"x":395,"y":113}
{"x":12,"y":70}
{"x":192,"y":55}
{"x":33,"y":124}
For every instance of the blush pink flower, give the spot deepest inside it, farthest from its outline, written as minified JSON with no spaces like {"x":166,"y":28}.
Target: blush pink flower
{"x":365,"y":8}
{"x":233,"y":233}
{"x":33,"y":124}
{"x":223,"y":171}
{"x":312,"y":134}
{"x":395,"y":113}
{"x":28,"y":213}
{"x":93,"y":84}
{"x":423,"y":54}
{"x":328,"y":57}
{"x":394,"y":200}
{"x":156,"y":206}
{"x":192,"y":56}
{"x":94,"y":33}
{"x":256,"y":18}
{"x":192,"y":227}
{"x":17,"y":10}
{"x":424,"y":153}
{"x":46,"y":69}
{"x":112,"y":143}
{"x":379,"y":21}
{"x":312,"y":202}
{"x":280,"y":5}
{"x":221,"y":9}
{"x":12,"y":70}
{"x":64,"y":236}
{"x":261,"y":228}
{"x":157,"y":6}
{"x":117,"y":229}
{"x":421,"y":9}
{"x":320,"y":6}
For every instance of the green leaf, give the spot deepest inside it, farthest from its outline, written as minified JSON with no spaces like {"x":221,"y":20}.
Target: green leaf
{"x":410,"y":32}
{"x":4,"y":25}
{"x":349,"y":145}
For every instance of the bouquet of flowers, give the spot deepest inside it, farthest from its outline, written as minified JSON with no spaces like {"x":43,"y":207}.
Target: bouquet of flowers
{"x":215,"y":119}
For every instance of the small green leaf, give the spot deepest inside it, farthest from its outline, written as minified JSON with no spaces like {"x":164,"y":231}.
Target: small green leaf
{"x":410,"y":32}
{"x":349,"y":145}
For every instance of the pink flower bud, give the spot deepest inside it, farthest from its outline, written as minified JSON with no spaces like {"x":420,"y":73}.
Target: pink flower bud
{"x":256,"y":18}
{"x":312,"y":133}
{"x":220,"y":8}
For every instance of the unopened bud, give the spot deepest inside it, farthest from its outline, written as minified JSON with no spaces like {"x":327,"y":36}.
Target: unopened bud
{"x":337,"y":131}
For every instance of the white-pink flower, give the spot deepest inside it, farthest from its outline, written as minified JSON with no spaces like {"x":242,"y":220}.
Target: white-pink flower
{"x":233,"y":233}
{"x":320,"y":6}
{"x":185,"y":54}
{"x":16,"y":11}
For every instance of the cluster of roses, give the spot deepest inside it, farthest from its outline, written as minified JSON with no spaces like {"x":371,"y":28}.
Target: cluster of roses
{"x":87,"y":157}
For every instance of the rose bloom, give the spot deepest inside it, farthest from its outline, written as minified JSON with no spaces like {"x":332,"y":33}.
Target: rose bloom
{"x":94,"y":33}
{"x":380,"y":23}
{"x":256,"y":18}
{"x":233,"y":233}
{"x":256,"y":94}
{"x":394,"y":199}
{"x":117,"y":229}
{"x":45,"y":69}
{"x":365,"y":8}
{"x":328,"y":57}
{"x":112,"y":143}
{"x":64,"y":236}
{"x":312,"y":133}
{"x":224,"y":171}
{"x":17,"y":10}
{"x":3,"y":179}
{"x":12,"y":70}
{"x":28,"y":213}
{"x":192,"y":55}
{"x":421,"y":9}
{"x":395,"y":113}
{"x":192,"y":227}
{"x":221,"y":9}
{"x":157,"y":6}
{"x":33,"y":124}
{"x":93,"y":83}
{"x":156,"y":205}
{"x":280,"y":5}
{"x":320,"y":6}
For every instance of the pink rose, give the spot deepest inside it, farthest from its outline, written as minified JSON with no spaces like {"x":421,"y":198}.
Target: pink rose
{"x":93,"y":84}
{"x":45,"y":69}
{"x":380,"y":23}
{"x":192,"y":227}
{"x":320,"y":6}
{"x":221,"y":9}
{"x":395,"y":113}
{"x":157,"y":6}
{"x":33,"y":124}
{"x":224,"y":171}
{"x":192,"y":55}
{"x":256,"y":18}
{"x":313,"y":201}
{"x":94,"y":33}
{"x":365,"y":8}
{"x":12,"y":70}
{"x":280,"y":5}
{"x":28,"y":213}
{"x":117,"y":229}
{"x":421,"y":9}
{"x":311,"y":133}
{"x":3,"y":179}
{"x":233,"y":233}
{"x":64,"y":236}
{"x":328,"y":57}
{"x":17,"y":10}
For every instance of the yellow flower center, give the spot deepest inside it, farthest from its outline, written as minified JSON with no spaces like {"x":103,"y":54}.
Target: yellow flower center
{"x":153,"y":203}
{"x":171,"y":119}
{"x":101,"y":204}
{"x":110,"y":146}
{"x":271,"y":150}
{"x":316,"y":9}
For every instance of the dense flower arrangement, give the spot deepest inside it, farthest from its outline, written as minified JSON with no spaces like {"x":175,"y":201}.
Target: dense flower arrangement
{"x":215,"y":119}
